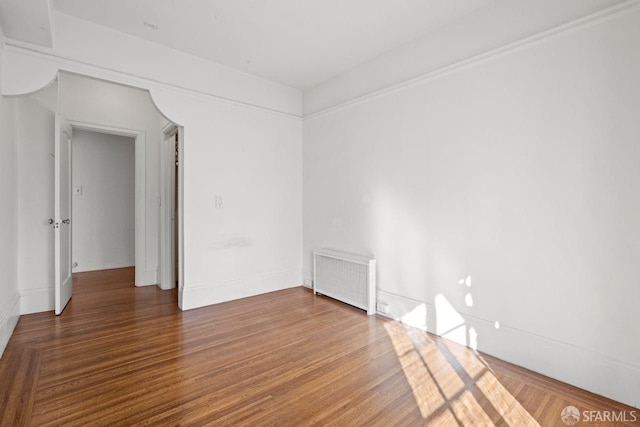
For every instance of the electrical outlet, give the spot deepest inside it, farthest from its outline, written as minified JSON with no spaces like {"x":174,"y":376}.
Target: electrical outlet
{"x":382,"y":307}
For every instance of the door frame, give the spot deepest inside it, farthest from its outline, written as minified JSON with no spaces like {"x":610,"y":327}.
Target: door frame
{"x":167,"y":276}
{"x":140,"y":193}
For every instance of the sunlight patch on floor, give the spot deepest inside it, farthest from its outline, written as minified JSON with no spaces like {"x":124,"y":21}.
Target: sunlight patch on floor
{"x":470,"y":362}
{"x":468,"y":411}
{"x":425,"y":391}
{"x":447,"y":382}
{"x":507,"y":406}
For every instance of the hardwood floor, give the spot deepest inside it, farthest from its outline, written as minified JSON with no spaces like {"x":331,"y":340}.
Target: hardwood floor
{"x":121,"y":355}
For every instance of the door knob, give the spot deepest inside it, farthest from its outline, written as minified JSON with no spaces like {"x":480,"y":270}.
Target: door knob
{"x":66,"y":221}
{"x":51,"y":221}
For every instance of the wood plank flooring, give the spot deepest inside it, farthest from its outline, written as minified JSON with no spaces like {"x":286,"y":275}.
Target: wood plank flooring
{"x":121,"y":355}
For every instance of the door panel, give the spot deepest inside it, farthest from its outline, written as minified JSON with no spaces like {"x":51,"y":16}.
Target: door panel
{"x":62,"y":208}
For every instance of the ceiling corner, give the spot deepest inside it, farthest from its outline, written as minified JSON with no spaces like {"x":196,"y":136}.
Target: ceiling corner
{"x":27,"y":21}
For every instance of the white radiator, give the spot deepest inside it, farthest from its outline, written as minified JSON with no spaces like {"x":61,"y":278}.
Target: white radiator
{"x":345,"y":277}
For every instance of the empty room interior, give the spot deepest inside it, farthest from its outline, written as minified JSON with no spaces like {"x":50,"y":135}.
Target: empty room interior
{"x":418,"y":212}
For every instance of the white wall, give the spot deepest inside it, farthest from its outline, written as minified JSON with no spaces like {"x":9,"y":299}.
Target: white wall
{"x":98,"y":102}
{"x":253,"y":160}
{"x":9,"y":297}
{"x":520,"y":173}
{"x":104,"y":209}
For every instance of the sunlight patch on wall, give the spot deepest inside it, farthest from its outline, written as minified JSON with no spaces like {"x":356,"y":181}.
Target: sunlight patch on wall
{"x":468,"y":300}
{"x":416,"y":317}
{"x":473,"y":338}
{"x":466,"y":281}
{"x":449,"y":323}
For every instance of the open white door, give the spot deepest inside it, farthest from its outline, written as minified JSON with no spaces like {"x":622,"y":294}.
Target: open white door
{"x":62,"y":214}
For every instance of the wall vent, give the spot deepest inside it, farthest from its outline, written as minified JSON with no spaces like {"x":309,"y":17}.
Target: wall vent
{"x":345,"y":277}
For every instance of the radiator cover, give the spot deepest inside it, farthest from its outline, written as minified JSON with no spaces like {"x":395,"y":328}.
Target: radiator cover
{"x":346,"y":277}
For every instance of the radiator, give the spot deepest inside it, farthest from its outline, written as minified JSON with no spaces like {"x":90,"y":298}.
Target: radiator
{"x":345,"y":277}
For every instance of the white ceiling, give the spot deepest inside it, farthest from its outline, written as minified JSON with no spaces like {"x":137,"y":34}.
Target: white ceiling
{"x":26,"y":20}
{"x":300,"y":43}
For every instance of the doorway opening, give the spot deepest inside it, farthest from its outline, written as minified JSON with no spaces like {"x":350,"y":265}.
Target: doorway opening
{"x":75,"y":103}
{"x":102,"y":208}
{"x":108,"y":107}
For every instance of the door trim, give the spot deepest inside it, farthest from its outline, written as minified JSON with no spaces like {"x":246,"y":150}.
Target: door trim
{"x":167,"y":156}
{"x":141,"y":196}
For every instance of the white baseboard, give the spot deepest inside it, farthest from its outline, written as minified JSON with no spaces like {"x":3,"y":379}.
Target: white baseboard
{"x":581,"y":367}
{"x":307,"y":278}
{"x":9,"y":315}
{"x":150,"y":277}
{"x":85,"y":269}
{"x":36,"y":300}
{"x":214,"y":293}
